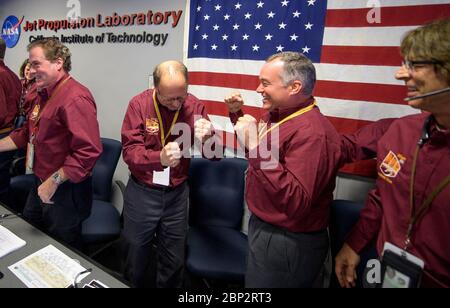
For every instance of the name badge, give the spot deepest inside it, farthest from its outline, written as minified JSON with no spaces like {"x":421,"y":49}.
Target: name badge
{"x":162,"y":177}
{"x":400,"y":269}
{"x":29,"y":162}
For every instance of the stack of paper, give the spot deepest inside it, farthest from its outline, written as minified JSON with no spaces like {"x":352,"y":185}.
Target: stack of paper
{"x":48,"y":268}
{"x":9,"y":242}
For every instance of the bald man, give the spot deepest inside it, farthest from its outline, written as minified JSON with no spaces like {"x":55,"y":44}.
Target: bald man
{"x":156,"y":197}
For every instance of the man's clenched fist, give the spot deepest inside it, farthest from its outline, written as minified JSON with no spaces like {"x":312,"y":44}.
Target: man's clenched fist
{"x":247,"y":131}
{"x":170,"y":155}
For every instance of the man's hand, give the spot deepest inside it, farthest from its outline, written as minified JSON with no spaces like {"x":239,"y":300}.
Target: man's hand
{"x":346,"y":262}
{"x":203,"y":129}
{"x":6,"y":144}
{"x":234,"y":102}
{"x":46,"y":190}
{"x":171,"y":155}
{"x":247,"y":132}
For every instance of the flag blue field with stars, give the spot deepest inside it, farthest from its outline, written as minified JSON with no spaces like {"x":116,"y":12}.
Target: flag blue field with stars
{"x":256,"y":29}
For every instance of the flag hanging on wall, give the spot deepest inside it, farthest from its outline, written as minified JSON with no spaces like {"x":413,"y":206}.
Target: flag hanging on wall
{"x":353,"y":44}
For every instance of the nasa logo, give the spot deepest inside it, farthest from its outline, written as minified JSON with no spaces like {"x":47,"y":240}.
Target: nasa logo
{"x":11,"y":30}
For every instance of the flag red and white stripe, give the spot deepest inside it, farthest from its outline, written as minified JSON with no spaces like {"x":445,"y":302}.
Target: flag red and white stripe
{"x":356,"y":82}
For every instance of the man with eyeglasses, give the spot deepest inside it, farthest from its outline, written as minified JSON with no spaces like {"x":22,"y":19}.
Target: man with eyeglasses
{"x":156,"y":197}
{"x":10,"y":89}
{"x":409,"y":208}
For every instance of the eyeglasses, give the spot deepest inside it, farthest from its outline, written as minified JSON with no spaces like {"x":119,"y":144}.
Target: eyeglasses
{"x":7,"y":216}
{"x":165,"y":99}
{"x":75,"y":280}
{"x":415,"y":65}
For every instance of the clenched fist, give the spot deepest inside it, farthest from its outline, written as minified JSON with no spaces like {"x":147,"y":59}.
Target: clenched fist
{"x":247,"y":131}
{"x":170,"y":155}
{"x":203,"y":129}
{"x":234,"y":102}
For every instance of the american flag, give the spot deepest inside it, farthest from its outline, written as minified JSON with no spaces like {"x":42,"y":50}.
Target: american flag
{"x":353,"y":44}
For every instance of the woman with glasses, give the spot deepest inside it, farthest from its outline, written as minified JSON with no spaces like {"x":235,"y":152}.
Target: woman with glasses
{"x":409,"y":209}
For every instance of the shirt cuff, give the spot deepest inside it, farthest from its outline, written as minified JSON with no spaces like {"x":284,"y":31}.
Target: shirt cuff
{"x":357,"y":240}
{"x":18,"y":140}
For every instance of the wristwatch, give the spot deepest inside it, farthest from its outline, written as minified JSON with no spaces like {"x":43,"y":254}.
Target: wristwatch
{"x":57,"y":178}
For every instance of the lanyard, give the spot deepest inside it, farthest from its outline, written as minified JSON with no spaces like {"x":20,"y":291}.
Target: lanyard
{"x":415,"y":217}
{"x":40,"y":111}
{"x":289,"y":117}
{"x":161,"y":125}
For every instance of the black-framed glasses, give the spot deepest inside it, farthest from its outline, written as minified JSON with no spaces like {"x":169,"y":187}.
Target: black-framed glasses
{"x":7,"y":216}
{"x":414,"y":65}
{"x":165,"y":99}
{"x":77,"y":276}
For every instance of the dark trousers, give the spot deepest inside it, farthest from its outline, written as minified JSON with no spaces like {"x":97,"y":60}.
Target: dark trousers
{"x":61,"y":220}
{"x":282,"y":259}
{"x":6,"y":159}
{"x":149,"y":212}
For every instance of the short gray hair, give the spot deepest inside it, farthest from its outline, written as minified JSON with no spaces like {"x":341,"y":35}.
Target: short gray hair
{"x":296,"y":67}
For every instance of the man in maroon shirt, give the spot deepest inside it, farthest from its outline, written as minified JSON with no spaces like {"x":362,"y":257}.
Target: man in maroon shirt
{"x":290,"y":197}
{"x":63,"y":143}
{"x":156,"y":198}
{"x":410,"y":206}
{"x":10,"y":89}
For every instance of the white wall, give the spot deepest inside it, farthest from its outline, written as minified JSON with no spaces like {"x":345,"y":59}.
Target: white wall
{"x":116,"y":72}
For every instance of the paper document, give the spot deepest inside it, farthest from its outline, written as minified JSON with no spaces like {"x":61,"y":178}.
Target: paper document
{"x":47,"y":268}
{"x":9,"y":242}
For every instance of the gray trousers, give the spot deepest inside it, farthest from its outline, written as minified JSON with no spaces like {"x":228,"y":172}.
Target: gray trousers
{"x":282,"y":259}
{"x":149,"y":212}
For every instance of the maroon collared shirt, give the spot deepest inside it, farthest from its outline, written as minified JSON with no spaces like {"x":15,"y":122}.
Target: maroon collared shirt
{"x":141,"y":137}
{"x":10,"y":90}
{"x":68,"y":132}
{"x":362,"y":144}
{"x":386,"y":215}
{"x":297,"y":192}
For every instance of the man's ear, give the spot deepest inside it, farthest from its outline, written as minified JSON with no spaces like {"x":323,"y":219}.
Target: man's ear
{"x":59,"y":63}
{"x":296,"y":87}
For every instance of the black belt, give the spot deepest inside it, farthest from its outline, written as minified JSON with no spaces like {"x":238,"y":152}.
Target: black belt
{"x":158,"y":188}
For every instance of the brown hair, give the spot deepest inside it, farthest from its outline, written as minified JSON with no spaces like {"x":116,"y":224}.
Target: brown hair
{"x":430,"y":42}
{"x":2,"y":48}
{"x":22,"y":68}
{"x":54,"y":49}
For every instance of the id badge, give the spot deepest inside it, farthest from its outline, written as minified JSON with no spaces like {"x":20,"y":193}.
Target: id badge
{"x":29,"y":163}
{"x":162,"y":177}
{"x":401,"y":269}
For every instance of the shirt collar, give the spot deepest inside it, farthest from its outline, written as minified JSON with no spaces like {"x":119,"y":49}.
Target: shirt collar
{"x":280,"y":113}
{"x":437,"y":136}
{"x":46,"y":93}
